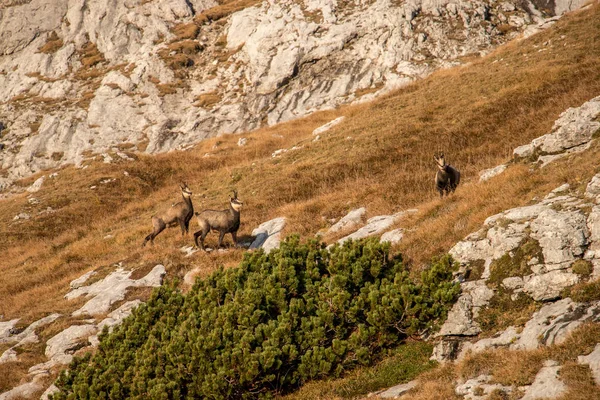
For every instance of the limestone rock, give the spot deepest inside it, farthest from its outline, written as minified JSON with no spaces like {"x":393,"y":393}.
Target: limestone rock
{"x":37,"y":185}
{"x":572,"y":132}
{"x":6,"y":329}
{"x":547,"y":383}
{"x":479,"y":388}
{"x":52,"y":389}
{"x":562,"y":235}
{"x":375,"y":226}
{"x":26,"y":335}
{"x":488,"y":174}
{"x":268,"y":234}
{"x":460,"y":319}
{"x":285,"y":60}
{"x":446,"y":350}
{"x":60,"y":348}
{"x":81,"y":280}
{"x":349,"y":221}
{"x":327,"y":126}
{"x":113,"y":288}
{"x":116,"y":317}
{"x":9,"y":355}
{"x":593,"y":187}
{"x":394,"y":236}
{"x":26,"y":390}
{"x":593,"y":361}
{"x":397,"y":391}
{"x":549,"y":286}
{"x":553,"y":322}
{"x":502,"y":339}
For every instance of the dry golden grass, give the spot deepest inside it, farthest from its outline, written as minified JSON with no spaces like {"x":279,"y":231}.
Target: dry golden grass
{"x":186,"y":31}
{"x":207,"y":100}
{"x":52,"y":45}
{"x":380,"y":157}
{"x":90,"y":55}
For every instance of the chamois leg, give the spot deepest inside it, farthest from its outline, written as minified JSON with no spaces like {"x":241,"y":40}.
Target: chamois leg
{"x":234,"y":237}
{"x":196,"y":234}
{"x":183,"y":227}
{"x":221,"y":236}
{"x":158,"y":226}
{"x":202,"y":234}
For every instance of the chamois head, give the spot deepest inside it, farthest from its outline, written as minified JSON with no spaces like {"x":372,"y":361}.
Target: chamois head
{"x":235,"y":203}
{"x":440,"y":161}
{"x":185,"y":190}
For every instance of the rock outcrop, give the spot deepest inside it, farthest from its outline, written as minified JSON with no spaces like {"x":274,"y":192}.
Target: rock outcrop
{"x":83,"y":333}
{"x":161,"y":75}
{"x":528,"y":251}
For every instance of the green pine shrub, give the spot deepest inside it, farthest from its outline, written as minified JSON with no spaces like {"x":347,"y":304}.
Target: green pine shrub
{"x":280,"y":319}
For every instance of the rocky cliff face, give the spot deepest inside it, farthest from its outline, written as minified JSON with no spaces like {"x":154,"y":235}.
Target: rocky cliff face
{"x":84,"y":77}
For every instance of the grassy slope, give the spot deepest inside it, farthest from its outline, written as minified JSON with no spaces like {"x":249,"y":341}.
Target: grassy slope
{"x":380,"y":157}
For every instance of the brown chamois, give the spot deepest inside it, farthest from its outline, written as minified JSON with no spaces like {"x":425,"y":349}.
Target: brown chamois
{"x":225,"y":221}
{"x":180,"y":213}
{"x":447,"y":177}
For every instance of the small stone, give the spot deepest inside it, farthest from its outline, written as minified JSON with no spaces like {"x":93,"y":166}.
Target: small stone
{"x":488,"y":174}
{"x":37,"y":185}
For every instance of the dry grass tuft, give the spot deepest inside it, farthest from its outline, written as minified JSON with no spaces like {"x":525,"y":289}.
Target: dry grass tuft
{"x":207,"y":100}
{"x":186,"y":31}
{"x":52,"y":45}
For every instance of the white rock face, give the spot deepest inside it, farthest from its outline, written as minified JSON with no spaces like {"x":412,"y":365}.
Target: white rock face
{"x":60,"y":348}
{"x":24,"y":391}
{"x":548,"y":286}
{"x":547,"y":383}
{"x":503,"y":339}
{"x":37,"y":185}
{"x":593,"y":188}
{"x":567,"y":229}
{"x":113,"y":288}
{"x":394,"y":236}
{"x":284,"y":59}
{"x":488,"y":174}
{"x":480,"y":384}
{"x":349,"y":221}
{"x":460,"y":320}
{"x":397,"y":391}
{"x":592,"y":360}
{"x":81,"y":280}
{"x":9,"y":355}
{"x":322,"y":129}
{"x":572,"y":132}
{"x":376,"y":225}
{"x":268,"y":234}
{"x":553,"y":322}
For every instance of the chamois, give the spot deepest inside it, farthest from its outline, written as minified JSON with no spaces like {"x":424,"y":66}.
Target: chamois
{"x":225,"y":221}
{"x":447,"y":177}
{"x":180,"y":213}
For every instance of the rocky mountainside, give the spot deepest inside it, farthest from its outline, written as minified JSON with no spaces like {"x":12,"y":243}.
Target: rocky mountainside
{"x":95,"y":77}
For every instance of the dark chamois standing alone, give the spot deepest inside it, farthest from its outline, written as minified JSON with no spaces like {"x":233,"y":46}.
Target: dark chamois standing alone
{"x":225,"y":221}
{"x":180,"y":213}
{"x":447,"y":178}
